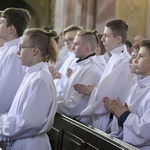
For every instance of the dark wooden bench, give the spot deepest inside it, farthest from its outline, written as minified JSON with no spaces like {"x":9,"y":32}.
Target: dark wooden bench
{"x":69,"y":134}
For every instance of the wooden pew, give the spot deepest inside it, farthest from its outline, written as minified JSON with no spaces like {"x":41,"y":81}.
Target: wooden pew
{"x":69,"y":134}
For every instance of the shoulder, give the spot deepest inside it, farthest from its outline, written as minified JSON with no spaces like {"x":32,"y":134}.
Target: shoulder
{"x":43,"y":77}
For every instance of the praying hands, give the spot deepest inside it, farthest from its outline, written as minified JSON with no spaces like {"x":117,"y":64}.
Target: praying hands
{"x":84,"y":89}
{"x":115,"y":106}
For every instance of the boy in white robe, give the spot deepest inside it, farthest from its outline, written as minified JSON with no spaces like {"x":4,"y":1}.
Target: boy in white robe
{"x":71,"y":103}
{"x":2,"y":47}
{"x":99,"y":59}
{"x":33,"y":109}
{"x":2,"y":41}
{"x":61,"y":76}
{"x":132,"y":121}
{"x":116,"y":79}
{"x":11,"y":70}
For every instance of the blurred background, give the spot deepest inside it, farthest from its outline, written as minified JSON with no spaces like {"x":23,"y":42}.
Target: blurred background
{"x":91,"y":14}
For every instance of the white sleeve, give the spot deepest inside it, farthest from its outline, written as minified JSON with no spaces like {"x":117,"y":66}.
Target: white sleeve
{"x":136,"y":128}
{"x":114,"y":85}
{"x":73,"y":107}
{"x":11,"y":75}
{"x":35,"y":114}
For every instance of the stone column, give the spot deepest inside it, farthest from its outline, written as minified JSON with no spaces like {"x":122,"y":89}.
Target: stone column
{"x":105,"y":11}
{"x":59,"y":15}
{"x":69,"y":10}
{"x":90,"y":15}
{"x":78,"y":12}
{"x":148,"y":20}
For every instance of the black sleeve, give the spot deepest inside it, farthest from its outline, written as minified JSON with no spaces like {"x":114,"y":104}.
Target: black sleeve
{"x":123,"y":118}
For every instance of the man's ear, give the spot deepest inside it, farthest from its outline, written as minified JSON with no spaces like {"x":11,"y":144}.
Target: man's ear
{"x":87,"y":47}
{"x":119,"y":39}
{"x":35,"y":51}
{"x":11,"y":29}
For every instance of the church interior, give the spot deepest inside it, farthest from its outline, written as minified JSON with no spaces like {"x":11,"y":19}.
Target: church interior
{"x":90,"y":14}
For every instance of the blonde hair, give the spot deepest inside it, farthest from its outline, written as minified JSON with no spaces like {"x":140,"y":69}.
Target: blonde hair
{"x":72,"y":28}
{"x":45,"y":42}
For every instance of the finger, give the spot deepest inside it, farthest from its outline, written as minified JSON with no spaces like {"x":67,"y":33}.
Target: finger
{"x":126,"y":105}
{"x":106,"y":99}
{"x":108,"y":107}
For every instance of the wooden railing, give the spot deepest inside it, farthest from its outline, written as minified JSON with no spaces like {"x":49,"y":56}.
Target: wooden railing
{"x":69,"y":134}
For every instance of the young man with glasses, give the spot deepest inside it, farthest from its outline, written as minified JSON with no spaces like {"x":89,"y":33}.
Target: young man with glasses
{"x":61,"y":76}
{"x":37,"y":90}
{"x":13,"y":22}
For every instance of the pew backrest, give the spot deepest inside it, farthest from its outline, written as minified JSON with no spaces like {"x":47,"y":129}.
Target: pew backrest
{"x":69,"y":134}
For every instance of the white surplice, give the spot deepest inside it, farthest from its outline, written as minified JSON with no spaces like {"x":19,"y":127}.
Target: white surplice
{"x":115,"y":82}
{"x":69,"y":63}
{"x":11,"y":74}
{"x":71,"y":103}
{"x":2,"y":48}
{"x":136,"y":127}
{"x":100,"y":61}
{"x":62,"y":56}
{"x":32,"y":112}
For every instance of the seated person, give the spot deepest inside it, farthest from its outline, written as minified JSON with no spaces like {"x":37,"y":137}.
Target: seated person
{"x":116,"y":78}
{"x":71,"y":103}
{"x":99,"y":59}
{"x":61,"y":76}
{"x":33,"y":109}
{"x":132,"y":122}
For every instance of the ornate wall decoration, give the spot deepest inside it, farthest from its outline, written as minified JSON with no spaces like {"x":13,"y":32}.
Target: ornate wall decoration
{"x":134,"y":12}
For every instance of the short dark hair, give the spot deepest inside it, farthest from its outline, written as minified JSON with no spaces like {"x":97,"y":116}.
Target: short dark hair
{"x":18,"y":17}
{"x":146,"y":44}
{"x":119,"y":28}
{"x":128,"y":43}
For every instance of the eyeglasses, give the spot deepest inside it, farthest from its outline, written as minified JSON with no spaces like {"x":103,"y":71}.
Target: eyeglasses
{"x":69,"y":41}
{"x":21,"y":46}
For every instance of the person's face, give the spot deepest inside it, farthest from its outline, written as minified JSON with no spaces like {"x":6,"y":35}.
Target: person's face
{"x":68,"y":39}
{"x":26,"y":51}
{"x":134,"y":54}
{"x":142,"y":62}
{"x":78,"y":47}
{"x":110,"y":42}
{"x":3,"y":28}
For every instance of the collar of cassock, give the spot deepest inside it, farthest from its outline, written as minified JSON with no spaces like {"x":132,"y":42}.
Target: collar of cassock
{"x":12,"y":43}
{"x":36,"y":67}
{"x":143,"y":81}
{"x":79,"y":60}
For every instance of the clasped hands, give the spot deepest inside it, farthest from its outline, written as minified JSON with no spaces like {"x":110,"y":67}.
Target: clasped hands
{"x":115,"y":106}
